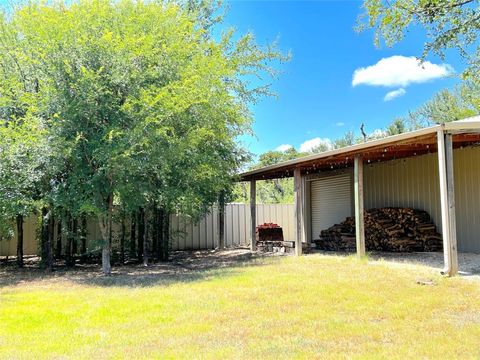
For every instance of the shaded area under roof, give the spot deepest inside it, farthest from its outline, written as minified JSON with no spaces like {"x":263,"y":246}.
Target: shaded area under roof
{"x":465,"y":133}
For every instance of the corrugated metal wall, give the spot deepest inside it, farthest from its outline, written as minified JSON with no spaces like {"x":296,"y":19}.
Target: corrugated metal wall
{"x":413,"y":182}
{"x":187,"y":235}
{"x":467,"y":198}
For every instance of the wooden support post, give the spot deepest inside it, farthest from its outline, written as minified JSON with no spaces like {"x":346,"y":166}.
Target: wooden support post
{"x":297,"y":184}
{"x":359,"y":206}
{"x":221,"y":220}
{"x":253,"y":215}
{"x":447,"y":201}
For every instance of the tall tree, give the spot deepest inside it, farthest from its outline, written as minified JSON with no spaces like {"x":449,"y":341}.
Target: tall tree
{"x":270,"y":191}
{"x":347,"y":140}
{"x":141,"y":104}
{"x":22,"y":153}
{"x":450,"y":105}
{"x":23,"y":149}
{"x":396,"y":127}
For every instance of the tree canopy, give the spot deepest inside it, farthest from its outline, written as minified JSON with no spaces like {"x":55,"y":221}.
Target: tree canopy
{"x":139,"y":102}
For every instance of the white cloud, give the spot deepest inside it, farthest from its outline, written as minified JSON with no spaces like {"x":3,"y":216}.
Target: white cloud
{"x":394,"y":94}
{"x":309,"y":145}
{"x":283,"y":147}
{"x":399,"y":71}
{"x":340,"y":124}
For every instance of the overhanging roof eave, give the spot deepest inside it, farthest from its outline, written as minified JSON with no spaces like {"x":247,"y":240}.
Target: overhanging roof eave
{"x":349,"y":149}
{"x":470,"y":124}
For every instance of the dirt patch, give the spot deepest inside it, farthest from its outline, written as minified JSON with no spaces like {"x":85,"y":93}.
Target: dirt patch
{"x":184,"y":266}
{"x":187,"y":266}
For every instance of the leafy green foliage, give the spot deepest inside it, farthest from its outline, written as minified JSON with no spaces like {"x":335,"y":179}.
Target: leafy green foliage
{"x":450,"y":105}
{"x":277,"y":191}
{"x":396,"y":127}
{"x":448,"y":24}
{"x":139,"y":104}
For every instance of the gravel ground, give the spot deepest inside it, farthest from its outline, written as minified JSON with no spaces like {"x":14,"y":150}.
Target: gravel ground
{"x":469,"y":263}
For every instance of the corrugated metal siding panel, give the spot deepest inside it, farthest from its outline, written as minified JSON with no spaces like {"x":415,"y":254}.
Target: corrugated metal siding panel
{"x":414,"y":182}
{"x":467,"y":198}
{"x":331,"y":202}
{"x":204,"y":235}
{"x":237,"y":221}
{"x":411,"y":182}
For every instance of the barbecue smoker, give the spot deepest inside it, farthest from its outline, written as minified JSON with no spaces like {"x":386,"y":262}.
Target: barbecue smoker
{"x":270,"y":239}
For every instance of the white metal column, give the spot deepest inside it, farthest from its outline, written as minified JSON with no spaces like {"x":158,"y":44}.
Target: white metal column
{"x":299,"y":223}
{"x":253,"y":215}
{"x":447,"y":201}
{"x":359,"y":206}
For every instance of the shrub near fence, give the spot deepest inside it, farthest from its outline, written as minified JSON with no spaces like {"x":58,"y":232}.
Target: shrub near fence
{"x":186,"y":235}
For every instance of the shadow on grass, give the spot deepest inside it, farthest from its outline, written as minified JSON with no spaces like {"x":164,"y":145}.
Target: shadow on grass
{"x":184,"y":267}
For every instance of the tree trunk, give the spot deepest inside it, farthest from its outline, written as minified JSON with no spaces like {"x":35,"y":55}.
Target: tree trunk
{"x":75,"y":236}
{"x":122,"y":241}
{"x":154,"y":236}
{"x":49,"y":245}
{"x":110,"y":231}
{"x":58,"y":248}
{"x":83,"y":239}
{"x":160,"y":224}
{"x":141,"y":233}
{"x":64,"y":231}
{"x":105,"y":223}
{"x":133,"y":226}
{"x":221,"y":220}
{"x":145,"y":238}
{"x":46,"y":238}
{"x":159,"y":233}
{"x":69,"y":237}
{"x":166,"y":235}
{"x":20,"y":240}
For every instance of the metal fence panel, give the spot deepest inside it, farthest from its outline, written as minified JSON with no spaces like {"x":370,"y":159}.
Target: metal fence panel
{"x":185,"y":234}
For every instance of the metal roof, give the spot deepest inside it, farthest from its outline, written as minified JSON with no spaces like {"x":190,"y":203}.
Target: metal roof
{"x":397,"y":146}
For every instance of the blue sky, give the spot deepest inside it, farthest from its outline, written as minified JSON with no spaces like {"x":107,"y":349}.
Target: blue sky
{"x":316,"y":98}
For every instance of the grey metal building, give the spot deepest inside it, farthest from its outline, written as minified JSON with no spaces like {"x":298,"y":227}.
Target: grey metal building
{"x":436,"y":169}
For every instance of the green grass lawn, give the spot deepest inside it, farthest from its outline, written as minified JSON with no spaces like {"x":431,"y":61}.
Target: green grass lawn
{"x":310,"y":307}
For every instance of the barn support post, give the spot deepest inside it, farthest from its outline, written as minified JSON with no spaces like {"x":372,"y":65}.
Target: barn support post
{"x":297,"y":184}
{"x":447,"y":201}
{"x":305,"y":206}
{"x":359,"y":206}
{"x":221,"y":220}
{"x":253,"y":215}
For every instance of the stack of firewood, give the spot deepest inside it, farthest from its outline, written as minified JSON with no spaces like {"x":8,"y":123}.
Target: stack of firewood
{"x":339,"y":237}
{"x":386,"y":229}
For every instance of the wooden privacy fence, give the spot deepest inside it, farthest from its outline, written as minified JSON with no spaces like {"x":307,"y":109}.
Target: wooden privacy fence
{"x":185,"y":234}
